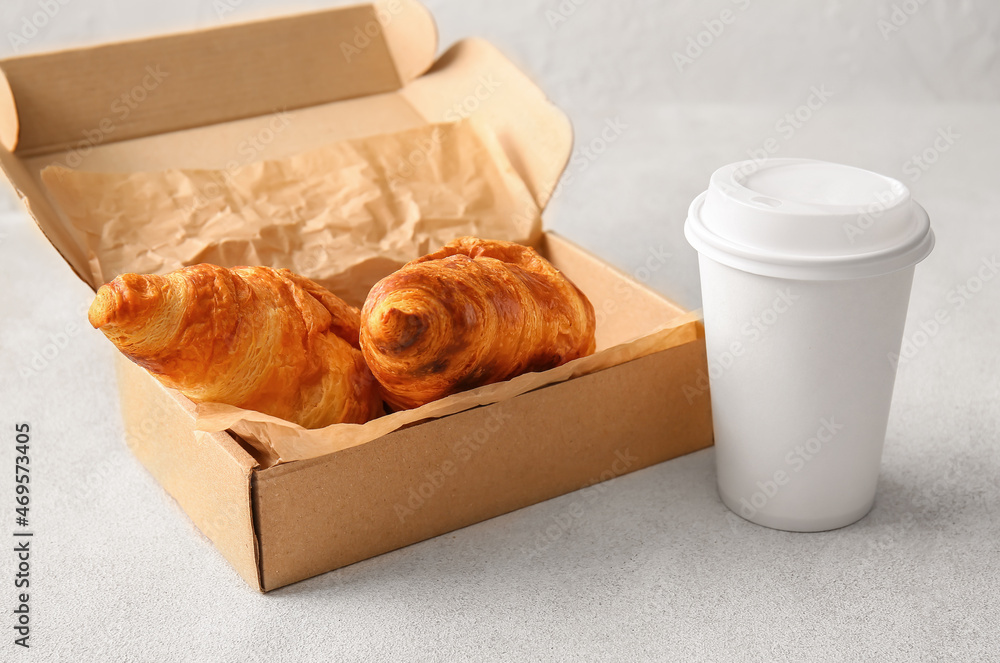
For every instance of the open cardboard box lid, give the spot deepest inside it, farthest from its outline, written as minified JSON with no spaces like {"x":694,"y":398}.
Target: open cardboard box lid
{"x":200,"y":99}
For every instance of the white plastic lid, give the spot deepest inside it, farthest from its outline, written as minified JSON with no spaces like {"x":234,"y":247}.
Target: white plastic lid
{"x":809,"y":220}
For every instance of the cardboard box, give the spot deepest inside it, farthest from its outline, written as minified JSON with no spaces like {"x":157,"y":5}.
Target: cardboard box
{"x":183,"y":101}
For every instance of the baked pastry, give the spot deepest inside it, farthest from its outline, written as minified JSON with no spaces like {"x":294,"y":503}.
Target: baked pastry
{"x":473,"y":313}
{"x":259,"y":338}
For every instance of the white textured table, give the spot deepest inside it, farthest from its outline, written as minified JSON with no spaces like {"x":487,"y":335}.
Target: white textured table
{"x":655,"y":567}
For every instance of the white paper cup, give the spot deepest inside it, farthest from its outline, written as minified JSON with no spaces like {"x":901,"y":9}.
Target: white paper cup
{"x":806,"y":270}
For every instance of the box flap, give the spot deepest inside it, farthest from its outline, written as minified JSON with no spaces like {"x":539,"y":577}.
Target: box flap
{"x":9,"y":125}
{"x":410,"y":34}
{"x":473,"y":79}
{"x":119,"y":91}
{"x":29,"y":190}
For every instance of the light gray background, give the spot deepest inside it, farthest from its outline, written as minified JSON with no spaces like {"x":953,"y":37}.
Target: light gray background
{"x":655,"y":567}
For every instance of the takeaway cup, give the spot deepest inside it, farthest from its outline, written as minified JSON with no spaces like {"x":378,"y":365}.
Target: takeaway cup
{"x":806,"y":268}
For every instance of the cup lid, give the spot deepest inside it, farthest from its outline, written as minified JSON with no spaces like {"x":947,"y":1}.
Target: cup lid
{"x":809,"y":220}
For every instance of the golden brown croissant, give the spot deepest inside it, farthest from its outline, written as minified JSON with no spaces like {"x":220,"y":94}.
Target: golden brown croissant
{"x":259,"y":338}
{"x":473,"y":313}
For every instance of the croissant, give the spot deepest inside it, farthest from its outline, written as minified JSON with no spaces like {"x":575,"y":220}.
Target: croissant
{"x":473,"y":313}
{"x":259,"y":338}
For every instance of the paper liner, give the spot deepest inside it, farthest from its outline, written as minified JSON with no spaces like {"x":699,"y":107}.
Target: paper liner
{"x":345,"y":214}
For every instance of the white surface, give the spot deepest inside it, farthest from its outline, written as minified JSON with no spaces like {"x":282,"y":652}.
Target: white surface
{"x":655,"y":567}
